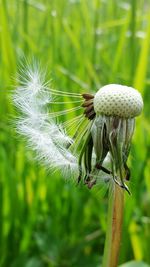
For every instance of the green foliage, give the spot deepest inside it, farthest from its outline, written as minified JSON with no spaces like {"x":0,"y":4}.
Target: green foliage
{"x":44,"y":220}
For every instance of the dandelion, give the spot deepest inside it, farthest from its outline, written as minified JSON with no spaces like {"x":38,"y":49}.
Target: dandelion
{"x":104,"y":129}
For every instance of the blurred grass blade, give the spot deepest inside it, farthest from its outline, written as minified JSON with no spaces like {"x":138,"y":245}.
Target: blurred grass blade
{"x":141,"y":70}
{"x":7,"y":49}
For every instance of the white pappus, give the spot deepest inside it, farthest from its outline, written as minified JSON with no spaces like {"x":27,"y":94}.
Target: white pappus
{"x":43,"y":134}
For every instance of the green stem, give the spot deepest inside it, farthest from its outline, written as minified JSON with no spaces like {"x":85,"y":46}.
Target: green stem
{"x":114,"y":226}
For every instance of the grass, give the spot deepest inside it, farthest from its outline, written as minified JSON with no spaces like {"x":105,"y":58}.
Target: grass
{"x":44,"y":220}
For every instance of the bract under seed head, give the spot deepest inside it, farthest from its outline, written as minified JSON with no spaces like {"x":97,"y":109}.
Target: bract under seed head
{"x":118,"y":100}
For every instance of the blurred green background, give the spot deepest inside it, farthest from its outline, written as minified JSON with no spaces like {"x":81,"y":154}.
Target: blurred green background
{"x":44,"y":220}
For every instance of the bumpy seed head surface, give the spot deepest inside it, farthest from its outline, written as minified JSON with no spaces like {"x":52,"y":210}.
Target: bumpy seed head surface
{"x":118,"y":100}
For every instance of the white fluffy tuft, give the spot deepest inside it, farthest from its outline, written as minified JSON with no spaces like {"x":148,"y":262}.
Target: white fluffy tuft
{"x":47,"y":138}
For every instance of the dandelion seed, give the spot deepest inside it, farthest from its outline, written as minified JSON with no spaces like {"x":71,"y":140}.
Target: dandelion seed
{"x":38,"y":125}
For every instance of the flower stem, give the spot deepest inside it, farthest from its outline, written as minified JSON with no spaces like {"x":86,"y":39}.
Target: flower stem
{"x":114,"y":226}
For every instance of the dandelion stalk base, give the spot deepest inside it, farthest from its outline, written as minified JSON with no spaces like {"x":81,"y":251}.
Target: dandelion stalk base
{"x":114,"y":226}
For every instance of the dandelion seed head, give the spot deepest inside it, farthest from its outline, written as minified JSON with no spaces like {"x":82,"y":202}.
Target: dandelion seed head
{"x":118,"y":100}
{"x":103,"y":145}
